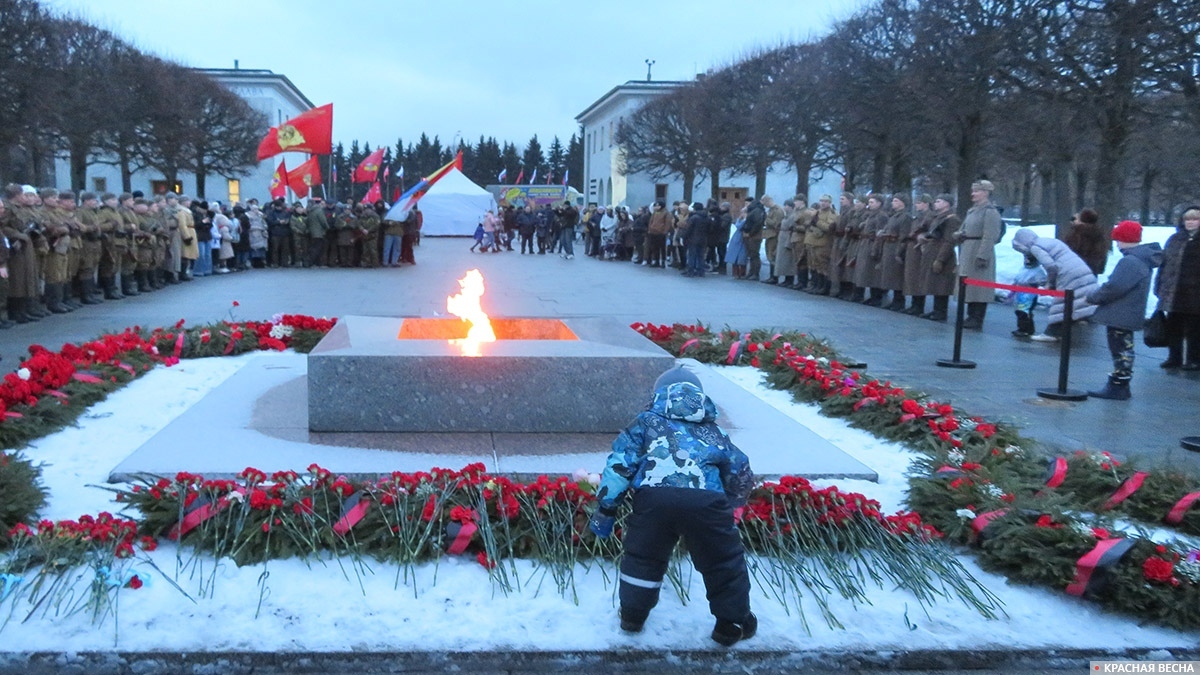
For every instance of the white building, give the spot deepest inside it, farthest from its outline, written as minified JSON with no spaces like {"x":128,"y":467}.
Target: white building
{"x":602,"y":158}
{"x":272,"y":94}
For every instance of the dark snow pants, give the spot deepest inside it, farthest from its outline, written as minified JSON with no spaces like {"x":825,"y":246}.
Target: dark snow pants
{"x":704,"y":518}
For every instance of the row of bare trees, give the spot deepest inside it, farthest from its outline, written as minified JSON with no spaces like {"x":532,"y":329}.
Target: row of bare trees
{"x":1060,"y":103}
{"x":69,"y":88}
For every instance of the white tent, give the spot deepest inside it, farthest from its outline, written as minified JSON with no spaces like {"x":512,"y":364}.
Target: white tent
{"x":454,"y":206}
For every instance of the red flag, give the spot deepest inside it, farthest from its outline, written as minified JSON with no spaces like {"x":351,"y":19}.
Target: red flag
{"x":279,"y":181}
{"x":395,"y":194}
{"x":368,"y":169}
{"x":374,"y":194}
{"x":520,"y":177}
{"x":304,"y":177}
{"x":311,"y":132}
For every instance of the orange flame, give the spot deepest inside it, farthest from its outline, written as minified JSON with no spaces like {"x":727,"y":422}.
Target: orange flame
{"x":466,"y":306}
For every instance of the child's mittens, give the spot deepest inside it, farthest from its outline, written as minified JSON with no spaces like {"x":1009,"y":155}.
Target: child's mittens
{"x":602,"y":523}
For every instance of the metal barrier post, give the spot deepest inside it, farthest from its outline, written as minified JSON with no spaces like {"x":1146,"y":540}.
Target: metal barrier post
{"x":1064,"y":357}
{"x":959,"y":312}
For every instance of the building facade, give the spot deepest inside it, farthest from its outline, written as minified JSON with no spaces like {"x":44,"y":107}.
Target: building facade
{"x":272,"y":94}
{"x":605,"y":184}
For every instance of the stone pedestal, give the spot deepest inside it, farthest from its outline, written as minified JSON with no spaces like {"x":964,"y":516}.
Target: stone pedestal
{"x":378,"y":374}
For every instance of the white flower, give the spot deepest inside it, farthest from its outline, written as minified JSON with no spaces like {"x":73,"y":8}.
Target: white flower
{"x":23,"y":373}
{"x":593,"y":478}
{"x":154,"y":349}
{"x":965,"y":514}
{"x":236,"y":496}
{"x":956,"y":456}
{"x":994,"y":490}
{"x":823,"y":361}
{"x":279,"y":331}
{"x":277,"y":318}
{"x":1013,"y":450}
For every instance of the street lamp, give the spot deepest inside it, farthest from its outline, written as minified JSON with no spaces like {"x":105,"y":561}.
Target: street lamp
{"x":649,"y":65}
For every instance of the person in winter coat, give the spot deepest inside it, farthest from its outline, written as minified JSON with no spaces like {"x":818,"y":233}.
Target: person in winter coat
{"x":687,"y":479}
{"x":913,"y":256}
{"x":940,"y":277}
{"x":695,"y":240}
{"x":892,"y":249}
{"x":978,"y":236}
{"x":752,"y":237}
{"x":1121,"y":304}
{"x":1178,"y":291}
{"x":258,"y":237}
{"x":1064,"y":271}
{"x":735,"y":252}
{"x":222,"y":238}
{"x":526,"y":225}
{"x":661,"y":222}
{"x":1088,"y":241}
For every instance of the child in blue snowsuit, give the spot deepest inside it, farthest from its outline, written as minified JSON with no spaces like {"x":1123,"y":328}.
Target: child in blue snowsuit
{"x":1023,"y":303}
{"x":687,"y":477}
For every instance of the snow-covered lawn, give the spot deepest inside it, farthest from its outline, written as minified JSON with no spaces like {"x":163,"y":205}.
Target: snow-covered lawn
{"x":330,"y":607}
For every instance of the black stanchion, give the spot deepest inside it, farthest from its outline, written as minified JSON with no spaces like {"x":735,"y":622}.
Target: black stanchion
{"x":957,"y":361}
{"x":1064,"y":357}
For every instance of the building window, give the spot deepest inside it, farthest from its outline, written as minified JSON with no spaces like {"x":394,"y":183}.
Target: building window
{"x":660,"y":192}
{"x":235,"y":191}
{"x":159,"y":187}
{"x":99,"y":184}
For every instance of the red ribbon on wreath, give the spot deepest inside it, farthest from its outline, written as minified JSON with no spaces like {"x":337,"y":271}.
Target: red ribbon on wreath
{"x":981,"y":522}
{"x":461,"y":536}
{"x":1181,"y":507}
{"x":201,"y":510}
{"x":85,"y":377}
{"x":688,"y":345}
{"x":179,"y":344}
{"x":1105,"y":554}
{"x":1058,"y":472}
{"x":353,"y":511}
{"x":735,"y":350}
{"x":1130,"y":486}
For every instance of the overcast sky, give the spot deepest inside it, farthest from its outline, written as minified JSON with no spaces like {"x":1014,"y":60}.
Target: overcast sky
{"x":395,"y":68}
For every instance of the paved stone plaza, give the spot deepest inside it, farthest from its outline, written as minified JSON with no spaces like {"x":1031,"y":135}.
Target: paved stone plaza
{"x":896,"y":347}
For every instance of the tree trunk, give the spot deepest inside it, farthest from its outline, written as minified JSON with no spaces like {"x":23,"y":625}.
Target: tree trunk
{"x":1108,"y":169}
{"x":1148,"y":176}
{"x":760,"y":180}
{"x":689,"y":183}
{"x":714,"y":173}
{"x":968,"y":159}
{"x":126,"y":173}
{"x":879,"y":169}
{"x":1046,"y":205}
{"x":1062,"y":195}
{"x":803,"y":164}
{"x":901,"y":175}
{"x":79,"y":157}
{"x":201,"y":180}
{"x":1081,"y":181}
{"x":1027,"y":195}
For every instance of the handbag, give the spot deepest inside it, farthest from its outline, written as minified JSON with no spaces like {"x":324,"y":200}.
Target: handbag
{"x":1155,"y":332}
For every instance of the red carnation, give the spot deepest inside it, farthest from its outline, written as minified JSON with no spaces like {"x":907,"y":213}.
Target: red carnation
{"x":134,"y":582}
{"x":1162,"y":571}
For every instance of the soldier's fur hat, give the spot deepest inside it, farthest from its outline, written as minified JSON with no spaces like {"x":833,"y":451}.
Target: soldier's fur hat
{"x":983,"y":185}
{"x":901,"y":196}
{"x":123,"y":196}
{"x":848,"y":195}
{"x":48,"y":193}
{"x":946,"y":197}
{"x":84,"y":196}
{"x":107,"y":196}
{"x":66,"y":195}
{"x":12,"y":191}
{"x":924,"y":198}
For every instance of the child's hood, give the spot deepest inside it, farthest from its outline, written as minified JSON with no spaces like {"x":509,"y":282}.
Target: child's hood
{"x":1151,"y":254}
{"x":683,"y":401}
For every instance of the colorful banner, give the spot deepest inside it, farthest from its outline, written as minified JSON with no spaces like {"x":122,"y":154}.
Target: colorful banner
{"x":520,"y":195}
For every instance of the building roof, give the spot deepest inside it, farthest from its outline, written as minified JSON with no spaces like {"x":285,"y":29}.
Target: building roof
{"x":631,"y":87}
{"x":249,"y":75}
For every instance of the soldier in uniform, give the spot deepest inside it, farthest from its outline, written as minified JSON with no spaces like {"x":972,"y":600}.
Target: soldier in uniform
{"x":67,"y":213}
{"x":22,"y":260}
{"x":281,"y":237}
{"x":131,"y":231}
{"x":839,"y":274}
{"x":940,"y":275}
{"x":173,"y":263}
{"x":818,"y":246}
{"x":866,"y":259}
{"x":161,"y":245}
{"x":113,"y":245}
{"x":89,"y":259}
{"x":7,"y":220}
{"x":802,"y":219}
{"x":145,"y":241}
{"x":369,"y":224}
{"x":892,"y":246}
{"x":346,"y":223}
{"x":914,"y":254}
{"x":58,"y":236}
{"x":977,"y":237}
{"x":318,"y":225}
{"x":772,"y":222}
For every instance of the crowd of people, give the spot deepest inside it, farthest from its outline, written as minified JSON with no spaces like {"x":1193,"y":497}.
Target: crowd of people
{"x":63,"y":251}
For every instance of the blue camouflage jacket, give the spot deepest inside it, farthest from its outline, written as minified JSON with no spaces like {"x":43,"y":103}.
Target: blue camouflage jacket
{"x":676,"y":443}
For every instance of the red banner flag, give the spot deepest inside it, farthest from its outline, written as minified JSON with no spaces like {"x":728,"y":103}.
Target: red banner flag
{"x":311,"y":132}
{"x":304,"y":177}
{"x":279,"y":181}
{"x":374,"y":194}
{"x":368,"y":169}
{"x":520,"y":177}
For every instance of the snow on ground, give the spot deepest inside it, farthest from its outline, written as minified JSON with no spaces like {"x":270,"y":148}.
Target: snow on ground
{"x":327,"y":606}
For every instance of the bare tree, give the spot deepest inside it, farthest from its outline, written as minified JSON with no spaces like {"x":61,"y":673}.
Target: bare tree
{"x":232,"y":130}
{"x":658,"y":140}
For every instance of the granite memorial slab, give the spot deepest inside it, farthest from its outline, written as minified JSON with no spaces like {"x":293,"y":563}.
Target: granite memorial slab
{"x":384,"y":374}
